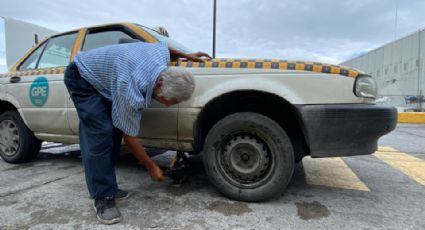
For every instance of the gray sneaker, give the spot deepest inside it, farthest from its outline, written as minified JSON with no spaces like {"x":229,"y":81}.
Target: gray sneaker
{"x":119,"y":196}
{"x":106,"y":211}
{"x":122,"y":195}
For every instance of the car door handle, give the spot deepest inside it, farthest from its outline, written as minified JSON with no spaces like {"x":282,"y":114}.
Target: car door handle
{"x":15,"y":79}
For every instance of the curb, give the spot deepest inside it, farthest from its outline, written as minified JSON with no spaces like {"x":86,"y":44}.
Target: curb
{"x":411,"y":117}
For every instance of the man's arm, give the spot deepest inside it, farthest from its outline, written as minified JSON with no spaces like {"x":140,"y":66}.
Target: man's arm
{"x":174,"y":53}
{"x":139,"y":152}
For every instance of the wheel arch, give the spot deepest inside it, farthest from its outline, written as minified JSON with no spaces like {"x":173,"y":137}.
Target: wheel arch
{"x":6,"y":106}
{"x":11,"y":104}
{"x":267,"y":104}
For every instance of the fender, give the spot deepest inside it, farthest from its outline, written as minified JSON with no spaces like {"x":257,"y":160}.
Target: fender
{"x":295,"y":87}
{"x":240,"y":83}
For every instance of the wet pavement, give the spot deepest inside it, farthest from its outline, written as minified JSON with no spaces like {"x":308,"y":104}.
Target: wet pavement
{"x":381,"y":191}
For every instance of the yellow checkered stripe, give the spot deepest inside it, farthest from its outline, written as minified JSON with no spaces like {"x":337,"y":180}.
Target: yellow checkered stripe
{"x":34,"y":72}
{"x":271,"y":64}
{"x":230,"y":63}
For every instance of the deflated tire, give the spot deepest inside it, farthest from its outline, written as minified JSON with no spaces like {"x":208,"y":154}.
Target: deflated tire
{"x":248,"y":157}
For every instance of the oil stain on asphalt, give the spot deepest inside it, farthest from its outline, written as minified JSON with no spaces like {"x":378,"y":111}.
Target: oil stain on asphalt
{"x":228,"y":209}
{"x":313,"y":210}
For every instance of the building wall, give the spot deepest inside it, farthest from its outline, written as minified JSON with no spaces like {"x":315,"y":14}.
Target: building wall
{"x":19,"y":38}
{"x":2,"y":48}
{"x":398,"y":68}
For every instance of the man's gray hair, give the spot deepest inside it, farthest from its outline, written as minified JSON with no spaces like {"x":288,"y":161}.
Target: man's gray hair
{"x":177,"y":83}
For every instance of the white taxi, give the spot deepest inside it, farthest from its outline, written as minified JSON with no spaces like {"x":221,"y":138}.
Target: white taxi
{"x":251,"y":119}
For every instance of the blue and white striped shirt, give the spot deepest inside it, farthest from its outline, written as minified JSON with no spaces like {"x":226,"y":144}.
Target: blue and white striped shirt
{"x":125,"y":74}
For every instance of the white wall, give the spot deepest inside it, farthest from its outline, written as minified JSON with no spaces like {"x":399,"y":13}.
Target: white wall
{"x":19,"y":38}
{"x":2,"y":48}
{"x":398,"y":67}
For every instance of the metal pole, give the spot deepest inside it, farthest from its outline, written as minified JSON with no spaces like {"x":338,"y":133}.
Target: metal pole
{"x":419,"y":72}
{"x":214,"y":18}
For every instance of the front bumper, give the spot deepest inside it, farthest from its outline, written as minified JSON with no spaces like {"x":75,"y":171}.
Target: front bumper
{"x":345,"y":129}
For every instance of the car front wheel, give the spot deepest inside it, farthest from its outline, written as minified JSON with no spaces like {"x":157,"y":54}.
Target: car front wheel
{"x":248,"y":157}
{"x":17,"y":143}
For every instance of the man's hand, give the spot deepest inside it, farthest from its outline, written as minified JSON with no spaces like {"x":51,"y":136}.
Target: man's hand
{"x":156,"y":173}
{"x":139,"y":152}
{"x":197,"y":57}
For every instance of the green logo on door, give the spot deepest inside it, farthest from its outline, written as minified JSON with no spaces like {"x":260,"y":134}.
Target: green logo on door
{"x":39,"y":91}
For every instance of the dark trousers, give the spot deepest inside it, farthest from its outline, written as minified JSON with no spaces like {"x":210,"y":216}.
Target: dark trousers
{"x":100,"y":141}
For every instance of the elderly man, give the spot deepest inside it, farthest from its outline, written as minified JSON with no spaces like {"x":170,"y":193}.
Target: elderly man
{"x":110,"y":86}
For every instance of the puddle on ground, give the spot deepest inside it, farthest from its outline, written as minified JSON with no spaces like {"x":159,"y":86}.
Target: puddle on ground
{"x":28,"y":166}
{"x":67,"y":167}
{"x":6,"y":202}
{"x":45,"y":217}
{"x":311,"y":211}
{"x":19,"y":167}
{"x":301,"y":194}
{"x":228,"y":209}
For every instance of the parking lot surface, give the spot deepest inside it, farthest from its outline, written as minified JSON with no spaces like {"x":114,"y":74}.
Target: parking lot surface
{"x":385,"y":190}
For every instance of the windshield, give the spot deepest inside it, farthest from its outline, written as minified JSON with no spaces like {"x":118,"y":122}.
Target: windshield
{"x":170,"y":42}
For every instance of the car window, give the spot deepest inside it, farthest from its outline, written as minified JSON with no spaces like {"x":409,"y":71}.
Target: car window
{"x":104,"y":38}
{"x":58,"y":51}
{"x":31,"y":61}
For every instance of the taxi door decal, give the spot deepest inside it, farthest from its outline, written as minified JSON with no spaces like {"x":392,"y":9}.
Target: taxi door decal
{"x":39,"y":91}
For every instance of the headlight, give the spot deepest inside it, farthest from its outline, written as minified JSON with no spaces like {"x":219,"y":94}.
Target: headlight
{"x":365,"y":86}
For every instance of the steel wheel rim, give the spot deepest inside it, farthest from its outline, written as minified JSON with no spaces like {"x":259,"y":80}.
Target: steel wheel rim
{"x":9,"y":137}
{"x":245,"y":161}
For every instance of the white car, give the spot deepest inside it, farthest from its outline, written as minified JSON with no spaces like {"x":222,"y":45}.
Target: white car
{"x":251,"y":119}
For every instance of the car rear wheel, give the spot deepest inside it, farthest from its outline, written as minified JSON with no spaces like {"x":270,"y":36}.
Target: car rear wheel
{"x":17,"y":143}
{"x":248,"y":157}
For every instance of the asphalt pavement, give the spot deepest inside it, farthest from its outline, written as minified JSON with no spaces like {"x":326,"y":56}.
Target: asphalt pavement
{"x":385,"y":190}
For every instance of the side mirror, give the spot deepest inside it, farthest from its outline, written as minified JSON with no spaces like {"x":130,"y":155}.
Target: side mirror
{"x":161,"y":30}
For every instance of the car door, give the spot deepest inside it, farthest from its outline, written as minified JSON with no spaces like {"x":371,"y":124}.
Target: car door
{"x":38,"y":86}
{"x":159,"y":123}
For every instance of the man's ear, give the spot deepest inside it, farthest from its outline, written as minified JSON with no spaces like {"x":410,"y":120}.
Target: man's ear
{"x":157,"y":87}
{"x":158,"y":84}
